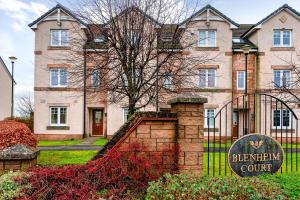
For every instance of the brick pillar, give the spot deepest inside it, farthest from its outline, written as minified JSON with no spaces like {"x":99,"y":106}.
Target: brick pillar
{"x":190,"y":111}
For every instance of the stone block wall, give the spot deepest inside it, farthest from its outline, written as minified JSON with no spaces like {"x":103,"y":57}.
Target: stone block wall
{"x":177,"y":137}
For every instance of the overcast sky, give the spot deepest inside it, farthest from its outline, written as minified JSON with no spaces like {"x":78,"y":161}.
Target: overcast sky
{"x":17,"y":39}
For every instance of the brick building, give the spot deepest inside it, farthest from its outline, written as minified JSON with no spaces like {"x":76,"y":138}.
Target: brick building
{"x":59,"y":108}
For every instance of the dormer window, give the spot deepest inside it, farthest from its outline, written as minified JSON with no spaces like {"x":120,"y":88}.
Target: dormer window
{"x":59,"y":37}
{"x":282,"y":38}
{"x":99,"y":39}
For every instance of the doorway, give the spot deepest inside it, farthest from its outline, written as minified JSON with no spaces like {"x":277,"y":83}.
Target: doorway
{"x":97,"y":128}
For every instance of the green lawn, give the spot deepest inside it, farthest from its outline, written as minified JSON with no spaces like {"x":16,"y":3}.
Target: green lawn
{"x":290,"y":160}
{"x":59,"y":158}
{"x":100,"y":142}
{"x":42,"y":143}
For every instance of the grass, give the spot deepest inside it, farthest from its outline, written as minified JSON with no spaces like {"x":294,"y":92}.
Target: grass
{"x":289,"y":183}
{"x":59,"y":158}
{"x":100,"y":142}
{"x":289,"y":163}
{"x":43,"y":143}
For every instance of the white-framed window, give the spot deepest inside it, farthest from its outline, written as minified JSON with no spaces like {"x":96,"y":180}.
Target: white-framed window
{"x":125,"y":114}
{"x":282,"y":78}
{"x":58,"y":116}
{"x":167,"y":78}
{"x":58,"y":77}
{"x":241,"y":80}
{"x":207,"y":38}
{"x":282,"y":38}
{"x":209,"y":116}
{"x":95,"y":78}
{"x":207,"y":78}
{"x":281,"y":118}
{"x":59,"y":37}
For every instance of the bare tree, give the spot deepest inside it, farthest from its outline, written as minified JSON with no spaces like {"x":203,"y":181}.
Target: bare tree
{"x":287,"y":82}
{"x":136,"y":48}
{"x":25,"y":106}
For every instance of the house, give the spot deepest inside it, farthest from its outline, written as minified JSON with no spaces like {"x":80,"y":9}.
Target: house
{"x":6,"y":91}
{"x":60,"y":111}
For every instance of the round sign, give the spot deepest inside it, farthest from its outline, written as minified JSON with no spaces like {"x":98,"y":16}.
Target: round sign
{"x":255,"y":154}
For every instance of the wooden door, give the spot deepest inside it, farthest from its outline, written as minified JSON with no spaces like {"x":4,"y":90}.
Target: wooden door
{"x":235,"y":125}
{"x":97,"y":123}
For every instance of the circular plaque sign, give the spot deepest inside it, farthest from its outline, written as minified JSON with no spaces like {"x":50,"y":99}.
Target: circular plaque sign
{"x":255,"y":154}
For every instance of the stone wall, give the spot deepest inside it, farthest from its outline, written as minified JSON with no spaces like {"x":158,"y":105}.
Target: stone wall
{"x":176,"y":137}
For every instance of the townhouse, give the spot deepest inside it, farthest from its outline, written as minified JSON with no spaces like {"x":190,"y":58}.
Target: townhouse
{"x":61,"y":111}
{"x":6,"y":91}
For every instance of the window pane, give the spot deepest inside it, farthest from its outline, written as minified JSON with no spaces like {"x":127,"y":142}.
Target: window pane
{"x":211,"y":77}
{"x":55,"y":37}
{"x":276,"y":74}
{"x":54,"y":77}
{"x":286,"y":38}
{"x":202,"y":78}
{"x":125,"y":111}
{"x":64,"y":37}
{"x":285,"y":118}
{"x":212,"y":38}
{"x":95,"y":78}
{"x":241,"y":80}
{"x":202,"y":38}
{"x":286,"y":78}
{"x":54,"y":115}
{"x":167,"y":80}
{"x":63,"y":115}
{"x":276,"y":38}
{"x":210,"y":114}
{"x":276,"y":118}
{"x":63,"y":77}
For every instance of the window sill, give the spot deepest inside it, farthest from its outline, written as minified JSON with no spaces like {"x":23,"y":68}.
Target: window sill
{"x":207,"y":48}
{"x":58,"y":128}
{"x":282,"y":49}
{"x":59,"y":48}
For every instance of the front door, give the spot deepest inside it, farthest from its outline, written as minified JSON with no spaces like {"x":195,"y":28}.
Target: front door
{"x":235,"y":125}
{"x":97,"y":122}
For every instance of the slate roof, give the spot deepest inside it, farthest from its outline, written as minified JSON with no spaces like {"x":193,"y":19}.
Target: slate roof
{"x":58,"y":6}
{"x":208,"y":6}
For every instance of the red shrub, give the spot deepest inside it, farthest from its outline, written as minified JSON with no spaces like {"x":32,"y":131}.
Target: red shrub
{"x":12,"y":132}
{"x":117,"y":173}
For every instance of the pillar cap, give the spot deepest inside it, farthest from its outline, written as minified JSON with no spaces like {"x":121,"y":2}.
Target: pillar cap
{"x":188,"y":98}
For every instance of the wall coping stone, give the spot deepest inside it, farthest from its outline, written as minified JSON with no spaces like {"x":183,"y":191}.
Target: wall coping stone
{"x":18,"y":152}
{"x":188,"y":98}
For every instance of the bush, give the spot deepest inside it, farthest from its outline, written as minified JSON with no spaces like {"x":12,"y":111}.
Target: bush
{"x":185,"y":187}
{"x":118,"y":175}
{"x":9,"y":188}
{"x":12,"y":132}
{"x":25,"y":120}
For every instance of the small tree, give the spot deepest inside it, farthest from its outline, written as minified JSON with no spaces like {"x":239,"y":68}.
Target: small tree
{"x":137,"y":48}
{"x":25,"y":106}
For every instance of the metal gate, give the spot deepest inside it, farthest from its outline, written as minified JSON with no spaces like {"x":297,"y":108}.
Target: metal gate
{"x":250,"y":113}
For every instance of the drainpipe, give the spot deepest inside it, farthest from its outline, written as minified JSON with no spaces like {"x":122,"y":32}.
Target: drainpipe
{"x":84,"y":93}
